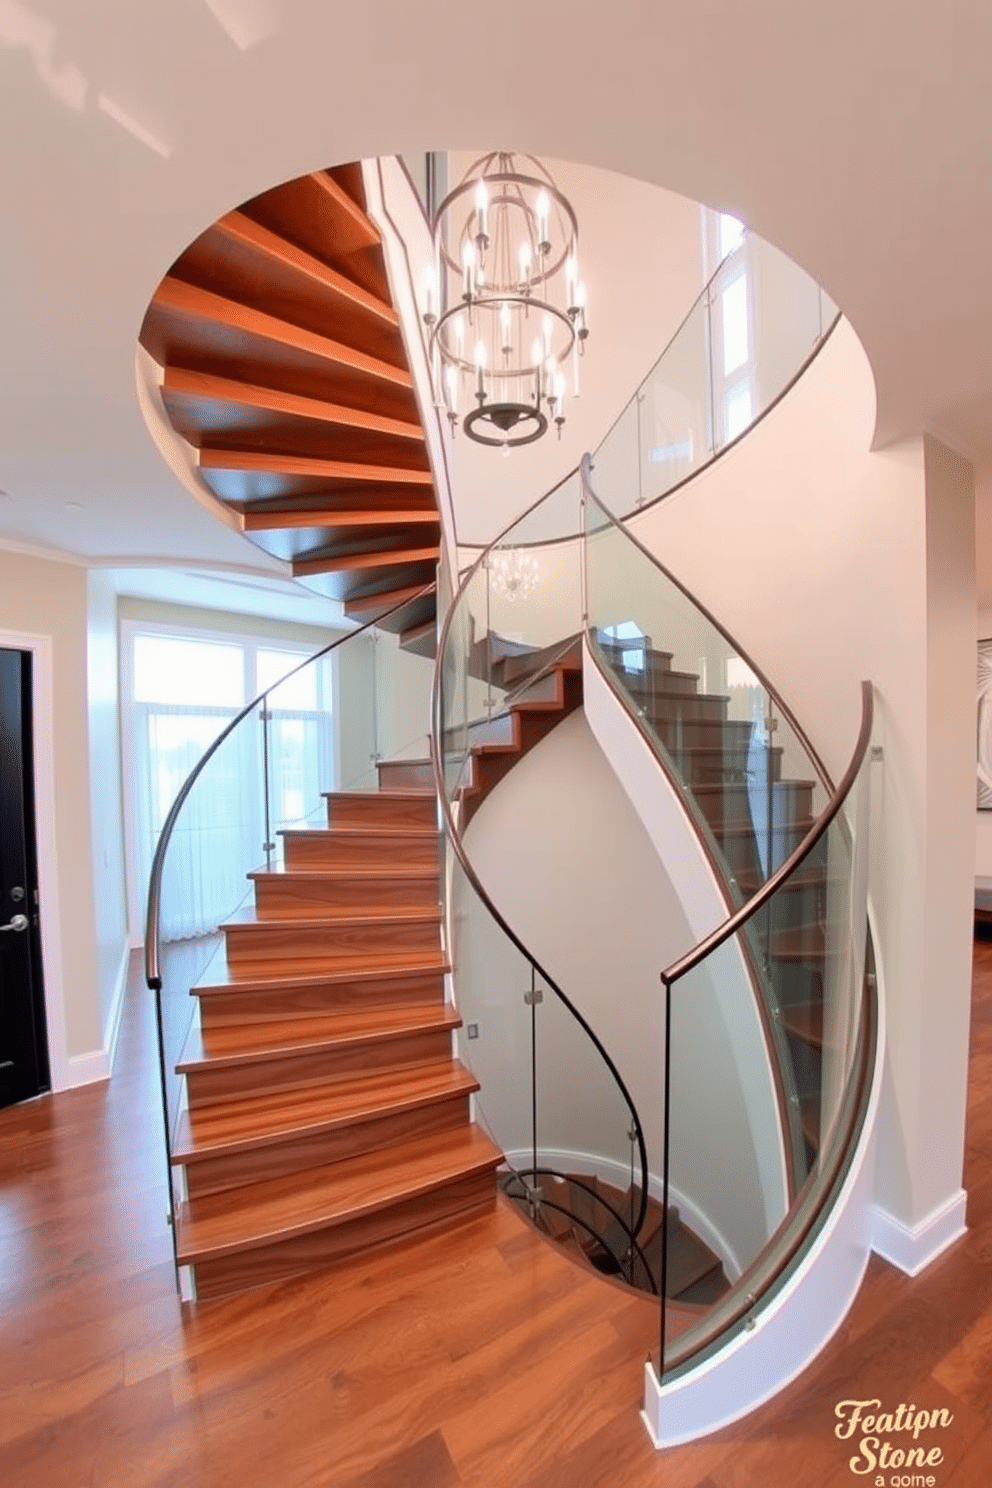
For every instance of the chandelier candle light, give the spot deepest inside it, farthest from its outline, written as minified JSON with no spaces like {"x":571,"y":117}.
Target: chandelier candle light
{"x":504,"y":303}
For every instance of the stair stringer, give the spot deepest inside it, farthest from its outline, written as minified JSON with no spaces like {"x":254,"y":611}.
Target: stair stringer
{"x":675,"y":840}
{"x":795,"y":1324}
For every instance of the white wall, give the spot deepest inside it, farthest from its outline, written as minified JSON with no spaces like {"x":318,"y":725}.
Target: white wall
{"x":106,"y":802}
{"x":560,"y":849}
{"x":816,"y":558}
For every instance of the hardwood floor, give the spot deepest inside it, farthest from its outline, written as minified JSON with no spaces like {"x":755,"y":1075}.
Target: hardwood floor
{"x":478,"y":1356}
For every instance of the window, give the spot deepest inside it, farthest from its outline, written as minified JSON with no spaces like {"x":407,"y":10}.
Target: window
{"x":727,"y":261}
{"x":180,"y":691}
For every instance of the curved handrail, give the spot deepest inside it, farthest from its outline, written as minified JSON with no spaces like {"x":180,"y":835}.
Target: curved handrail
{"x":454,"y":837}
{"x":153,"y":977}
{"x":586,"y":466}
{"x":691,"y":959}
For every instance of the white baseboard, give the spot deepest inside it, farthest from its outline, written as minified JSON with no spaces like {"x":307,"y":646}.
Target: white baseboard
{"x":618,"y":1174}
{"x":113,"y":1029}
{"x":913,"y":1247}
{"x":97,"y":1064}
{"x":86,"y":1069}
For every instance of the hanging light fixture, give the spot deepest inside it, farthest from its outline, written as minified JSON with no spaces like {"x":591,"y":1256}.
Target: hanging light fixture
{"x":504,"y":303}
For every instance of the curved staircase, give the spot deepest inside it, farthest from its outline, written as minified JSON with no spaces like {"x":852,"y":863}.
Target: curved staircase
{"x":325,"y":1112}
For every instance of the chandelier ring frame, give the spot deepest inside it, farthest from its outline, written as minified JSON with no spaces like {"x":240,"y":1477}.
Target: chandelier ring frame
{"x":489,"y":413}
{"x":492,"y":305}
{"x":509,"y":178}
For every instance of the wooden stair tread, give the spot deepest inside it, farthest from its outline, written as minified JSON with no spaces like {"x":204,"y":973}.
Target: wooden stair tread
{"x":298,"y":1204}
{"x":380,"y":917}
{"x":247,"y":1043}
{"x":195,"y":383}
{"x":225,"y":978}
{"x":365,"y":873}
{"x":390,"y":793}
{"x":269,"y":244}
{"x":805,"y":1021}
{"x":239,"y":1124}
{"x":370,"y":830}
{"x":809,"y":941}
{"x":780,"y":787}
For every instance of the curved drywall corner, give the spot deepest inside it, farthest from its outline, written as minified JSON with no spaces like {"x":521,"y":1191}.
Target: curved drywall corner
{"x":798,"y":1322}
{"x":176,"y":452}
{"x":674,"y":839}
{"x":393,"y":206}
{"x":558,"y":845}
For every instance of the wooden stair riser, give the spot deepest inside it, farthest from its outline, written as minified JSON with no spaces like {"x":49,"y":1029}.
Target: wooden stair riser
{"x":732,"y":735}
{"x":405,"y":774}
{"x":619,"y":659}
{"x":281,"y":897}
{"x":738,"y":805}
{"x":361,"y":850}
{"x":283,"y":939}
{"x":797,"y":983}
{"x":793,"y":907}
{"x":232,"y":1007}
{"x":644,"y":687}
{"x":662,"y":708}
{"x":315,"y":1066}
{"x":381,"y":811}
{"x":294,"y":1154}
{"x":301,"y":1253}
{"x":720,"y":766}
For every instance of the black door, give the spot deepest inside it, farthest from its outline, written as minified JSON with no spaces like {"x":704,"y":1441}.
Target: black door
{"x":23,"y":1039}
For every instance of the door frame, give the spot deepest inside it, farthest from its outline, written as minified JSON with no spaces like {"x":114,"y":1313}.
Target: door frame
{"x":43,"y":735}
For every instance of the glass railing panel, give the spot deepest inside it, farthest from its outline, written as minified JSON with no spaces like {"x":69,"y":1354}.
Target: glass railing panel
{"x":298,"y":748}
{"x":548,"y":1099}
{"x":749,"y":333}
{"x":588,"y":1151}
{"x":495,"y":1038}
{"x":786,"y":995}
{"x":675,"y":433}
{"x":695,"y":697}
{"x":727,"y":1190}
{"x":785,"y":316}
{"x":223,"y":813}
{"x":619,"y":458}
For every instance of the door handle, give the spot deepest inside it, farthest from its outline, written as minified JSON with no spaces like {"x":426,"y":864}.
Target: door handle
{"x":19,"y":922}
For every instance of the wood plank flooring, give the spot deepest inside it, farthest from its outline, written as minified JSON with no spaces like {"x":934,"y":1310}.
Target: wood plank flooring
{"x":478,"y":1356}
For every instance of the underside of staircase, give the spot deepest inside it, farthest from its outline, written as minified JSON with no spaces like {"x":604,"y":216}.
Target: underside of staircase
{"x":325,"y":1113}
{"x":283,"y":368}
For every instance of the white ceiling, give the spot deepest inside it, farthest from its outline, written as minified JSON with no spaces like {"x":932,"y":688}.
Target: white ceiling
{"x":858,"y":137}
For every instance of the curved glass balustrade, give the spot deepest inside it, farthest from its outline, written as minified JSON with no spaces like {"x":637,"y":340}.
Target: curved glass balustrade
{"x":509,"y":669}
{"x":267,"y":772}
{"x":764,"y":1068}
{"x":748,"y":335}
{"x":747,"y":773}
{"x":804,"y":945}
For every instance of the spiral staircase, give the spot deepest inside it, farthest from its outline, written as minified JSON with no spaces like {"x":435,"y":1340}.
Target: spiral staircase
{"x":323,"y":1110}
